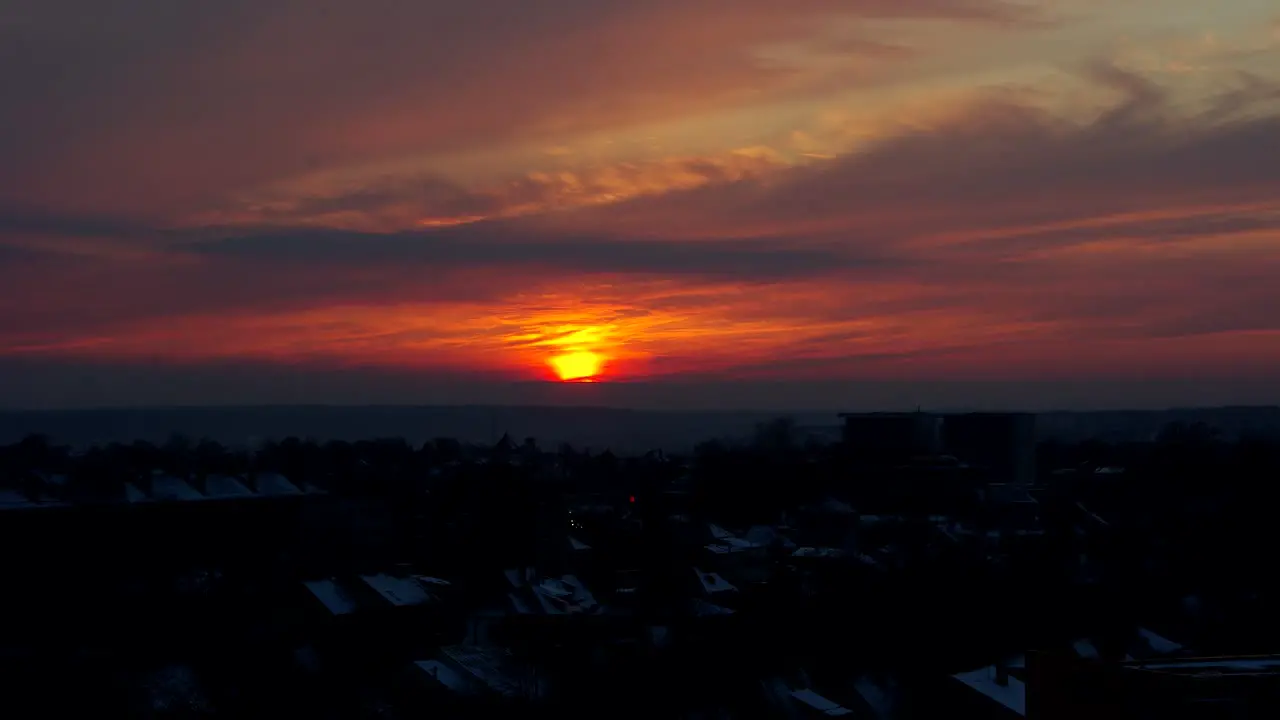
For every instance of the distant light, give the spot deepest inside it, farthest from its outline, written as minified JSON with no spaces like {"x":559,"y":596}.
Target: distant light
{"x":631,"y":499}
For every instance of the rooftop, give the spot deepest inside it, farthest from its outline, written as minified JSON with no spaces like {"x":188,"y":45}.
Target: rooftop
{"x":713,"y":583}
{"x":718,"y":532}
{"x":490,"y":666}
{"x":167,"y":487}
{"x":818,"y":552}
{"x":564,"y":595}
{"x":273,"y":484}
{"x":224,"y":486}
{"x":401,"y":592}
{"x":332,"y":596}
{"x":702,"y":608}
{"x":820,"y":703}
{"x":1160,"y":645}
{"x":445,"y":675}
{"x":1011,"y":694}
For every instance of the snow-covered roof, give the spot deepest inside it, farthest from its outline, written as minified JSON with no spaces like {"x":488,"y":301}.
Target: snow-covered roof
{"x":1159,"y":644}
{"x":428,"y":580}
{"x":713,"y":583}
{"x":224,"y":487}
{"x":132,"y":494}
{"x":332,"y":596}
{"x":549,"y":607}
{"x":1085,"y":649}
{"x":718,"y":532}
{"x":1012,"y":695}
{"x":167,"y":487}
{"x":818,"y":552}
{"x":565,"y":595}
{"x":401,"y":592}
{"x":702,"y":608}
{"x":819,"y":703}
{"x":272,"y":484}
{"x":579,"y":589}
{"x":488,"y":665}
{"x":761,"y":535}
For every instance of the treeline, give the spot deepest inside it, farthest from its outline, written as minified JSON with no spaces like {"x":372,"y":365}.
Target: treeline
{"x":333,"y":462}
{"x":1182,"y":459}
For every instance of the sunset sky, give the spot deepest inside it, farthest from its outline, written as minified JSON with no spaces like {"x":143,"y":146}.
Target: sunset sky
{"x":693,"y":202}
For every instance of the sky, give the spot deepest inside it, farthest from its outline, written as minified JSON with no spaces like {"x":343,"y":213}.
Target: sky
{"x":711,"y":203}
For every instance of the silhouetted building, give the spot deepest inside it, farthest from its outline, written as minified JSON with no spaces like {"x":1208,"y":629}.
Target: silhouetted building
{"x":1001,"y":443}
{"x":889,"y":438}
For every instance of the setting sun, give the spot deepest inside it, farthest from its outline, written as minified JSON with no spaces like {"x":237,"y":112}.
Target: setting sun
{"x":581,"y":366}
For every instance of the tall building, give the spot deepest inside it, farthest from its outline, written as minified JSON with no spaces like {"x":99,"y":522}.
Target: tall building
{"x":1001,"y":443}
{"x":880,"y":438}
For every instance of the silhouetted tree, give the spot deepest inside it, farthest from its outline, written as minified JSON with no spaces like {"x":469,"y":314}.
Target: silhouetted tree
{"x":36,"y":453}
{"x":447,"y":449}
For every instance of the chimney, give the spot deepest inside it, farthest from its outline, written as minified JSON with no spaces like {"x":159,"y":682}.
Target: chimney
{"x":1002,"y":674}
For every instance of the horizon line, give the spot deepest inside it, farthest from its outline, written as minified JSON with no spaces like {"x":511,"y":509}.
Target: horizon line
{"x":604,"y":408}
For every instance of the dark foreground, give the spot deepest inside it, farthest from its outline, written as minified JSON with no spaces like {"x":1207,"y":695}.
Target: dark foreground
{"x":774,"y":578}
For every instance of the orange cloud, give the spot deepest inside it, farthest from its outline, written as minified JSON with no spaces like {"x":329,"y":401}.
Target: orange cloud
{"x":393,"y":204}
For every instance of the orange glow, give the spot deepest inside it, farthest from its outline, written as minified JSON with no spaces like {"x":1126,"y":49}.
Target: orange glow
{"x":581,"y":366}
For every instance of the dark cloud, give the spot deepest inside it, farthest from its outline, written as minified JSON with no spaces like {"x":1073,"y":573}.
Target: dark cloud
{"x":16,"y":221}
{"x":294,"y":270}
{"x":501,"y":244}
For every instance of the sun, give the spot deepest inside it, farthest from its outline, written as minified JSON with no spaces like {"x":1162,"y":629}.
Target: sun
{"x":579,"y":366}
